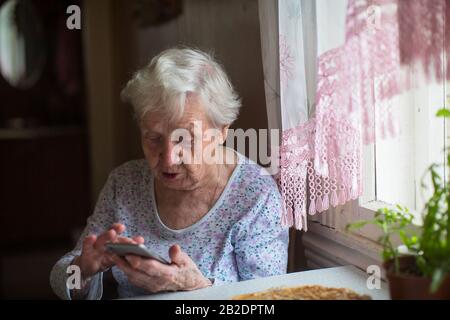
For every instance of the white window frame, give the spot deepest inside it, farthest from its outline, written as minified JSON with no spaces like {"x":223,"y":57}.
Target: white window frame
{"x":331,"y":225}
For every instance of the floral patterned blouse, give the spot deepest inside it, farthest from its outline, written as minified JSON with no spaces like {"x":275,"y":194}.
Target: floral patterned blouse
{"x":240,"y":238}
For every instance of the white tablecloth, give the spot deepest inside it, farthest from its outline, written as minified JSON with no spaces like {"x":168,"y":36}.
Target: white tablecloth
{"x":342,"y":277}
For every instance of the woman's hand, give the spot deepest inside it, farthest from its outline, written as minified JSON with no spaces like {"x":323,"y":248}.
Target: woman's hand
{"x":153,"y":276}
{"x":95,"y":257}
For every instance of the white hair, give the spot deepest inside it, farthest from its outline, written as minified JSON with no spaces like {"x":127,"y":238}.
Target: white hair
{"x":165,"y":83}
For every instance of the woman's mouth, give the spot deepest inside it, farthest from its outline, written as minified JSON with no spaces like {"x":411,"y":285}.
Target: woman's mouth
{"x":169,"y":175}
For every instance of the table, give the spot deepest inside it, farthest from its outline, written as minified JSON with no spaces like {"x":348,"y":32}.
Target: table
{"x":344,"y":277}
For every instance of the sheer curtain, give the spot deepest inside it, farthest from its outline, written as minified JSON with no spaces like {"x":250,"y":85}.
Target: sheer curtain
{"x":290,"y":45}
{"x":331,"y":70}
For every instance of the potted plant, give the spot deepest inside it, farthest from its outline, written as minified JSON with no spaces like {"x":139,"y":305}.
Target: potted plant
{"x":420,"y":268}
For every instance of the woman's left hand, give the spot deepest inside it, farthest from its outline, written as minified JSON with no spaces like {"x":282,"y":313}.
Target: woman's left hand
{"x":154,"y":276}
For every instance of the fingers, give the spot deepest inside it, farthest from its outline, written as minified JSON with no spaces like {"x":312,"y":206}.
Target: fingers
{"x":105,"y":237}
{"x":139,"y":239}
{"x":94,"y":246}
{"x":108,"y":259}
{"x":134,"y":261}
{"x":134,"y":276}
{"x":150,"y":267}
{"x":118,"y":227}
{"x":134,"y":240}
{"x":121,"y":264}
{"x":155,"y":282}
{"x":124,"y":265}
{"x":120,"y":239}
{"x":178,"y":256}
{"x":109,"y":236}
{"x":88,"y":242}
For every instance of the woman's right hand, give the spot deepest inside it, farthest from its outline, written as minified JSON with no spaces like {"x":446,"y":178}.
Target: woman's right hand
{"x":95,"y":257}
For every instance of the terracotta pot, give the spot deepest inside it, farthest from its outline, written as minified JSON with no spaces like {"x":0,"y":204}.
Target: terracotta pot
{"x":406,"y":286}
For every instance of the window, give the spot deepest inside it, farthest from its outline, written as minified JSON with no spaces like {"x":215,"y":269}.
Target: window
{"x":394,"y":168}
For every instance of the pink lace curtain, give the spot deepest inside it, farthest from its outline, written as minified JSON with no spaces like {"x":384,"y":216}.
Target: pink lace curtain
{"x":354,"y":83}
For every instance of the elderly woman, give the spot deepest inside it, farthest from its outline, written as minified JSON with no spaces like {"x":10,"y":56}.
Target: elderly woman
{"x":216,"y":220}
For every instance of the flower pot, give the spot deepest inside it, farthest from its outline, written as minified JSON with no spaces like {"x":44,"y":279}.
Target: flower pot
{"x":411,"y":286}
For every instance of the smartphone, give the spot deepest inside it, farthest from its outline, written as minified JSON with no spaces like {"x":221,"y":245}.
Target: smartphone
{"x":123,"y":249}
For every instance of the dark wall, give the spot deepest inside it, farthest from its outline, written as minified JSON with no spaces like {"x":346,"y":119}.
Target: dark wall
{"x":44,"y":161}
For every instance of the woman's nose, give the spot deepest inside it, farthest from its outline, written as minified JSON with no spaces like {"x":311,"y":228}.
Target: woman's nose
{"x":170,"y":154}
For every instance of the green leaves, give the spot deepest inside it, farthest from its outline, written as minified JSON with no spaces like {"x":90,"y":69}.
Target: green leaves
{"x":444,"y":113}
{"x":435,"y":239}
{"x":358,"y":224}
{"x":391,"y":221}
{"x":432,"y":245}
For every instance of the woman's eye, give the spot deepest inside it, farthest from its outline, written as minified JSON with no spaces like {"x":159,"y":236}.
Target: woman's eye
{"x":153,"y":139}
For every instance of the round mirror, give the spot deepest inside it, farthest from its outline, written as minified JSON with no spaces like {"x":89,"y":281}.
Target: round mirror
{"x":22,"y":47}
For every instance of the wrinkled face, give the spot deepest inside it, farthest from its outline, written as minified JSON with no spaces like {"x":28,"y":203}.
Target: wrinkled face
{"x":175,"y":150}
